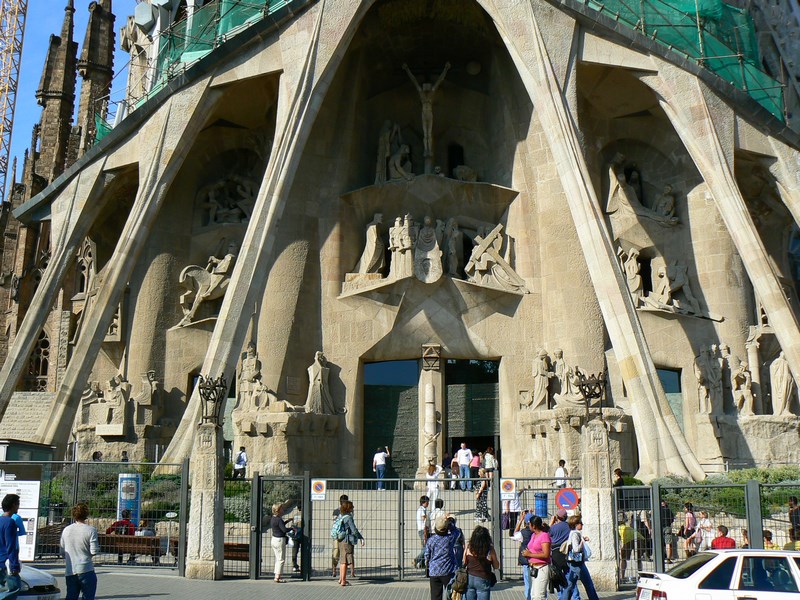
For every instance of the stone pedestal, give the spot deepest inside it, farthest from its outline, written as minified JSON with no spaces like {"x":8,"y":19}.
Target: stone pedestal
{"x":597,"y":505}
{"x":205,"y":553}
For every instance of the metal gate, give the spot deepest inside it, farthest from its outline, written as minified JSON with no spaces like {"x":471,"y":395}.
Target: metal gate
{"x":291,"y":495}
{"x":634,"y":533}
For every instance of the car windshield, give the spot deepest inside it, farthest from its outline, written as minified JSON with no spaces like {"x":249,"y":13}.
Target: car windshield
{"x":690,"y":566}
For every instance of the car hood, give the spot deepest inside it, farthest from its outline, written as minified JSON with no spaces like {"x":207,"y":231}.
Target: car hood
{"x":36,"y":577}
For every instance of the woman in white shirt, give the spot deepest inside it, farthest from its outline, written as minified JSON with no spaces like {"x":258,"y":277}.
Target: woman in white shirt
{"x":705,"y":530}
{"x":434,"y":471}
{"x":489,"y":462}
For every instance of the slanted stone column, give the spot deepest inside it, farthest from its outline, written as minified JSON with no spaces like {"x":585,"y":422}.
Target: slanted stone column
{"x":205,"y":552}
{"x":431,"y":407}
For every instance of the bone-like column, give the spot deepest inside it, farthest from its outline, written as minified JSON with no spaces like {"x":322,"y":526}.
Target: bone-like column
{"x":176,"y":127}
{"x":682,"y":97}
{"x":662,"y":447}
{"x":302,"y":89}
{"x":787,"y":176}
{"x":79,"y":203}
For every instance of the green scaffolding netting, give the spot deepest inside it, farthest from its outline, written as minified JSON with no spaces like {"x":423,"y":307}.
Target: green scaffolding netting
{"x":720,"y":37}
{"x":102,"y":128}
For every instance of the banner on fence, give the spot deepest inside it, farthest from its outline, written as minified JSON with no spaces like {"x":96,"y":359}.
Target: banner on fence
{"x":318,"y":488}
{"x":28,"y":492}
{"x":129,"y":495}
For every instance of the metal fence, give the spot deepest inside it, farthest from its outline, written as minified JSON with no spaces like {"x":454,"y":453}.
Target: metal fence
{"x":152,"y":538}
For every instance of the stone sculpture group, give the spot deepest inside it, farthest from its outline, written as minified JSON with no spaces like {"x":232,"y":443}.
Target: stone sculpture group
{"x":555,"y":383}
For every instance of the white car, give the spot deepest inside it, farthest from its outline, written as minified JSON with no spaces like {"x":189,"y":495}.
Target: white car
{"x":37,"y":585}
{"x":727,"y":575}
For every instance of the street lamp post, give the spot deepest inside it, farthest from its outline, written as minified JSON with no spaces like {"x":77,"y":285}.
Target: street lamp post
{"x":205,"y":552}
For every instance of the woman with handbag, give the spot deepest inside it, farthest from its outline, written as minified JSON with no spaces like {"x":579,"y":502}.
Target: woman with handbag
{"x":479,"y":560}
{"x":482,"y":498}
{"x":440,"y":554}
{"x":538,"y":555}
{"x":689,"y":527}
{"x":347,"y":544}
{"x":576,"y":560}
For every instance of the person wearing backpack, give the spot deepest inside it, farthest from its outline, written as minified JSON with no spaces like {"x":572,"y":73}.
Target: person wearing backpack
{"x":348,"y":536}
{"x":576,"y":561}
{"x":337,"y":512}
{"x":240,"y":464}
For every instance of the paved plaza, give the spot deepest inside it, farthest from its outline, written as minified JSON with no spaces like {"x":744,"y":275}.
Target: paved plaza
{"x":121,"y":584}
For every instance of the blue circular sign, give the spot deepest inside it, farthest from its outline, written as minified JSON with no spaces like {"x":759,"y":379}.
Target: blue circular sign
{"x":567,"y":498}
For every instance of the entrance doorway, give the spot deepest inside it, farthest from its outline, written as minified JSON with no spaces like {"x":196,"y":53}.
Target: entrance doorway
{"x":391,"y":408}
{"x":472,"y":405}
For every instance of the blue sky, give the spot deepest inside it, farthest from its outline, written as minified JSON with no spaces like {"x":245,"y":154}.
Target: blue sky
{"x":45,"y":18}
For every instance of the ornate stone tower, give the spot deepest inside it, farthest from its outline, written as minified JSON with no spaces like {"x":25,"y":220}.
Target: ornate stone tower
{"x":96,"y":67}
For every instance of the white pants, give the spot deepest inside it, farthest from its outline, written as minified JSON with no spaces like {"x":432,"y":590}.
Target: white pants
{"x":279,"y":550}
{"x":540,"y":582}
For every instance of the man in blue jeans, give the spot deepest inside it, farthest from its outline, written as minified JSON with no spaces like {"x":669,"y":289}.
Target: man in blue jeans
{"x":9,"y":548}
{"x":464,"y":457}
{"x":79,"y":543}
{"x":379,"y":464}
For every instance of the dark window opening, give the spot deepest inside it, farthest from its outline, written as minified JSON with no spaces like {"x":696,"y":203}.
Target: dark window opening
{"x":646,"y":272}
{"x":455,"y":157}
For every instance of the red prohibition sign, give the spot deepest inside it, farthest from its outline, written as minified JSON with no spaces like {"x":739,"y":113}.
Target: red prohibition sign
{"x":508,"y":486}
{"x":319,"y":487}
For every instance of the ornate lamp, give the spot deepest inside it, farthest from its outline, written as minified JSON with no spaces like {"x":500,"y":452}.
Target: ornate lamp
{"x":592,"y":387}
{"x":213,"y":393}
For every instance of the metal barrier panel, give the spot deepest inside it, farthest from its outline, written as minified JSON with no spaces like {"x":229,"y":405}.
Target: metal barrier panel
{"x":537,"y":495}
{"x":286,"y":492}
{"x":63,"y":484}
{"x":634,"y":533}
{"x":711,"y":506}
{"x":780,"y":515}
{"x":236,"y":500}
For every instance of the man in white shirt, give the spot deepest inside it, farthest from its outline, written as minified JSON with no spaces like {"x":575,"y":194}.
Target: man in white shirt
{"x":79,"y":543}
{"x":422,"y":530}
{"x":379,"y":464}
{"x":240,"y":464}
{"x":464,"y":457}
{"x":561,"y":474}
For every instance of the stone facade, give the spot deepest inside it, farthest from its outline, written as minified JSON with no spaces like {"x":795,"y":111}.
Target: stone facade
{"x":531,"y":193}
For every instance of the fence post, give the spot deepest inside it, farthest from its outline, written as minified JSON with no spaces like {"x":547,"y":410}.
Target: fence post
{"x":401,"y":528}
{"x":497,"y":533}
{"x":658,"y":527}
{"x":75,"y":483}
{"x":305,"y":548}
{"x":183,"y":519}
{"x":752,"y":505}
{"x":255,"y":526}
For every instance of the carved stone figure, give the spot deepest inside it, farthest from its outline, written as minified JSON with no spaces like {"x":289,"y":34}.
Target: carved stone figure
{"x":487,"y":267}
{"x":465,"y":173}
{"x":427,"y":255}
{"x":665,"y":203}
{"x":373,"y":257}
{"x":431,"y":431}
{"x":388,"y":142}
{"x":319,"y":400}
{"x":207,"y":283}
{"x":560,"y":370}
{"x":399,"y":165}
{"x":631,"y":266}
{"x":395,"y":237}
{"x":702,"y":366}
{"x":541,"y":380}
{"x":408,"y":240}
{"x":743,"y":390}
{"x":147,"y":402}
{"x":623,"y":201}
{"x":453,"y":248}
{"x":715,"y":364}
{"x":782,"y":384}
{"x":426,"y":93}
{"x":570,"y":394}
{"x":252,"y":394}
{"x":671,"y":281}
{"x":111,"y":407}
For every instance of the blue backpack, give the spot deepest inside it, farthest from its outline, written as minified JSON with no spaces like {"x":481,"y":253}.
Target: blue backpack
{"x":337,"y":529}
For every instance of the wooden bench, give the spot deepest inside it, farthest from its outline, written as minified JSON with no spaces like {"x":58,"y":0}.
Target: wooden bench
{"x":233,"y":550}
{"x":48,"y":539}
{"x":131,"y":544}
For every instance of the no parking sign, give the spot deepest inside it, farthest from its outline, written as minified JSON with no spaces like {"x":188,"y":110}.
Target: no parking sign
{"x":318,"y":488}
{"x":567,"y":498}
{"x":508,"y":489}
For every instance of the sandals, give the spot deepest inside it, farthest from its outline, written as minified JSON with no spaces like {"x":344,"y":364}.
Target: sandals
{"x":346,"y":583}
{"x":281,"y":580}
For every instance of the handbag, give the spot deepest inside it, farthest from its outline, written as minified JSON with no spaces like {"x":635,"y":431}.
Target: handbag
{"x":492,"y":579}
{"x":460,"y":581}
{"x":587,"y":551}
{"x":505,"y":521}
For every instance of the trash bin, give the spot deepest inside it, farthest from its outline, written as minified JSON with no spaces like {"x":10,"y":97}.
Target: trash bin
{"x":540,"y":504}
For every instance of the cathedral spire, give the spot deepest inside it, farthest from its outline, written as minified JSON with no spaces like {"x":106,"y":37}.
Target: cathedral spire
{"x":69,"y":21}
